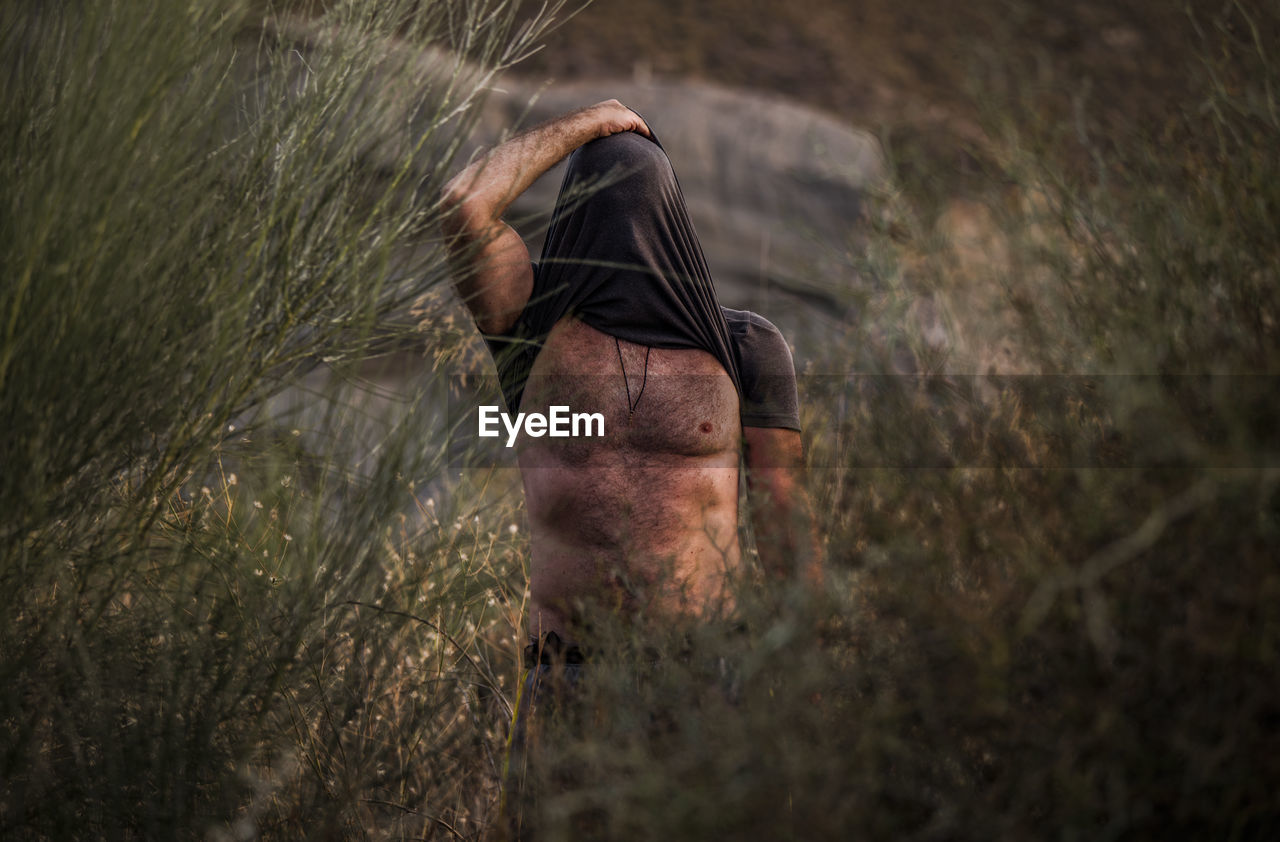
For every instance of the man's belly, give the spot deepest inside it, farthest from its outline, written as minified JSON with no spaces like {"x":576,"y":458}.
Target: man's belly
{"x":643,"y":518}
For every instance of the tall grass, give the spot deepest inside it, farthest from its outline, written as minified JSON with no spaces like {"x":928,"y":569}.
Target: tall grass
{"x":243,"y":597}
{"x":212,"y":621}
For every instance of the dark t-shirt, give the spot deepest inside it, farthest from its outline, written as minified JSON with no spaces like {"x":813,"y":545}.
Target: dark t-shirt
{"x":622,"y":256}
{"x":766,"y":373}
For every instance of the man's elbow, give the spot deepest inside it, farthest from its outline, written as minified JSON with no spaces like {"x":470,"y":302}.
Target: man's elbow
{"x":773,"y":487}
{"x":463,"y":213}
{"x":467,"y":207}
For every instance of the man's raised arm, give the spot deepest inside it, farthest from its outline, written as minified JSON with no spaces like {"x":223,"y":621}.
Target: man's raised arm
{"x":492,"y":271}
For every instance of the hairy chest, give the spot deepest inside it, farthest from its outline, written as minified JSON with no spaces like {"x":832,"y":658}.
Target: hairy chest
{"x":653,"y":404}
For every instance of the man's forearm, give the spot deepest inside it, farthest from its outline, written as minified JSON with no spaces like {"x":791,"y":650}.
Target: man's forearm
{"x":786,"y":536}
{"x":484,"y":190}
{"x":781,"y":513}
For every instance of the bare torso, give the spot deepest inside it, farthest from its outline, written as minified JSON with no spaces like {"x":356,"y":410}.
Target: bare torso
{"x":645,"y":518}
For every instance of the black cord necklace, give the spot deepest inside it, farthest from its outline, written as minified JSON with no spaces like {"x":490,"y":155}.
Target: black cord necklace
{"x":631,"y":407}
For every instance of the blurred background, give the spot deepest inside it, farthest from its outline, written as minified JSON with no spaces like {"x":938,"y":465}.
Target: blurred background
{"x":919,"y":74}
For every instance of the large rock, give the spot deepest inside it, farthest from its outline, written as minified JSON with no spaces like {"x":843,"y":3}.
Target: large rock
{"x":776,"y":190}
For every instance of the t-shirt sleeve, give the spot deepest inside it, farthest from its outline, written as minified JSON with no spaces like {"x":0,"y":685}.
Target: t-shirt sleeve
{"x":766,"y":370}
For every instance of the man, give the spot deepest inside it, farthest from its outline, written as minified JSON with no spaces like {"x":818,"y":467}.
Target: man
{"x":619,"y":317}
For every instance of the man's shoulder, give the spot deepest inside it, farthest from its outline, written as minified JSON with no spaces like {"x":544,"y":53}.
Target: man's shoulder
{"x":760,"y":344}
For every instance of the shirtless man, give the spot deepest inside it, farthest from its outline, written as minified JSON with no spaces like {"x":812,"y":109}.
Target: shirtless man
{"x":619,"y":317}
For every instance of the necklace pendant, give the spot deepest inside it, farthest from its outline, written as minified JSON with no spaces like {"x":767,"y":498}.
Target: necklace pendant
{"x":631,"y":407}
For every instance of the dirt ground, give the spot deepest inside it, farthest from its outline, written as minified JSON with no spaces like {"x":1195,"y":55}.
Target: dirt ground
{"x":921,"y":73}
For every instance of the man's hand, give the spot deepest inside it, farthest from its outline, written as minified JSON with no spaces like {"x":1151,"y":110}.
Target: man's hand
{"x":613,"y":117}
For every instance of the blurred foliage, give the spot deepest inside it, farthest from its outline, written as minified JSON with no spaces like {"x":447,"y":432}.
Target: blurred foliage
{"x":210,"y":230}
